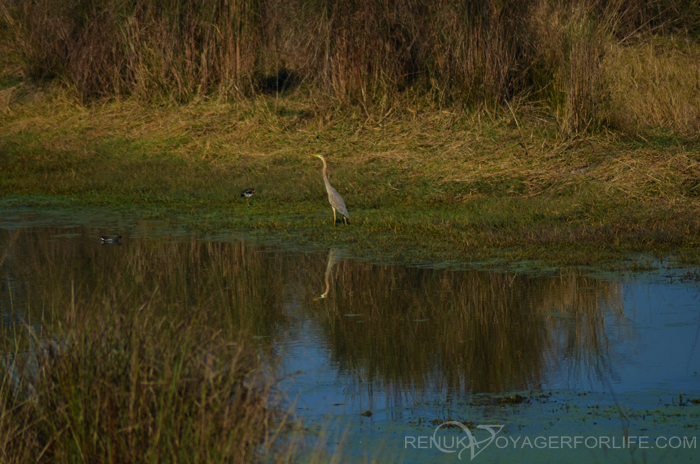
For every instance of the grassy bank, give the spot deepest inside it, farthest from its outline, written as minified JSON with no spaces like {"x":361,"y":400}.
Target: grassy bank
{"x":423,"y":185}
{"x":574,"y":141}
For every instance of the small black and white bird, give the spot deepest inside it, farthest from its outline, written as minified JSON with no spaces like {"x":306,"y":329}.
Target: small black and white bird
{"x":247,"y":193}
{"x":106,"y":240}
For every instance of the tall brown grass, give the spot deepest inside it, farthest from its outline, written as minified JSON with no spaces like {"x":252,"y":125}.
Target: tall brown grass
{"x":374,"y":53}
{"x":128,"y":385}
{"x":151,"y":49}
{"x":131,"y":357}
{"x":655,"y":84}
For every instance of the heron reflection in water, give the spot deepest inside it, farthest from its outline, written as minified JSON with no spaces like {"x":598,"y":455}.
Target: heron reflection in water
{"x":335,"y":255}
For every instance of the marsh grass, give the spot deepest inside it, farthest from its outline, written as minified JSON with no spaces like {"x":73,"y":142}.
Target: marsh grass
{"x":121,"y":385}
{"x":375,"y":56}
{"x":467,"y":183}
{"x":104,"y":393}
{"x":596,"y":141}
{"x":654,"y":84}
{"x":109,"y":360}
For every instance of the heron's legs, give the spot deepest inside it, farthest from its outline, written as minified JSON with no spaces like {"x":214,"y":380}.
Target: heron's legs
{"x":334,"y":219}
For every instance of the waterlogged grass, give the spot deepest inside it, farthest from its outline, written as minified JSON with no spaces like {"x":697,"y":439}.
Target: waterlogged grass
{"x":120,"y":358}
{"x":116,"y":384}
{"x":421,"y":186}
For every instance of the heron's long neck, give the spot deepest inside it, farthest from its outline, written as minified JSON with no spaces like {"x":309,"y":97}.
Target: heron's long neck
{"x":325,"y":177}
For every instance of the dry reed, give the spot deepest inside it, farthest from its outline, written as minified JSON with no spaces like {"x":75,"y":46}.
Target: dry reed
{"x":371,"y":55}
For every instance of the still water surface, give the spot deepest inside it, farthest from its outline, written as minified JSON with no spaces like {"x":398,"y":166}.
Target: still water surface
{"x":378,"y":356}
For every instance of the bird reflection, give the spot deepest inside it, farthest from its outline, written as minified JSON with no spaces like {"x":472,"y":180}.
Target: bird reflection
{"x":112,"y":240}
{"x":334,"y":255}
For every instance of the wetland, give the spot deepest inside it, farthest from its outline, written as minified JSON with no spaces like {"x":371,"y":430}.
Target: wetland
{"x":518,"y":283}
{"x":364,"y":359}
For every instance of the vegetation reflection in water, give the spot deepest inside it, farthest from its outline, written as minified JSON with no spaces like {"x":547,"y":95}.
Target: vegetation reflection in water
{"x":404,"y":330}
{"x":227,"y":282}
{"x":397,"y":330}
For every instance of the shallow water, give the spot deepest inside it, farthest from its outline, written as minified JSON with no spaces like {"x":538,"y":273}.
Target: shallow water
{"x":376,"y":358}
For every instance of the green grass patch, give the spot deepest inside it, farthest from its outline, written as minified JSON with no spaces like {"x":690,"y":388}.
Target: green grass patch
{"x":419,"y":188}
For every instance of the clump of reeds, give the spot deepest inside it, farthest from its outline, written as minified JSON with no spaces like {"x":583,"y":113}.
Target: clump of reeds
{"x":655,"y":84}
{"x":376,"y":55}
{"x":151,"y":49}
{"x":568,"y":46}
{"x":129,"y":385}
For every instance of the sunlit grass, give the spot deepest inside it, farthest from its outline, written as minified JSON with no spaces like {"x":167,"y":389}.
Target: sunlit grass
{"x":654,"y":84}
{"x":464,"y":184}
